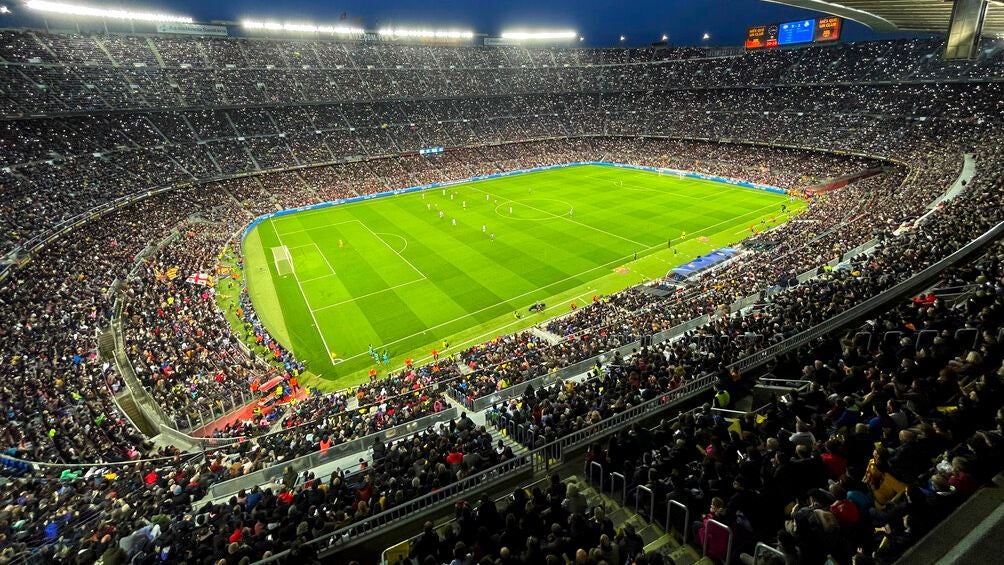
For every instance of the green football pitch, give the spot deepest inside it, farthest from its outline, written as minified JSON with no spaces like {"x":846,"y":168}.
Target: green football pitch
{"x":402,"y":273}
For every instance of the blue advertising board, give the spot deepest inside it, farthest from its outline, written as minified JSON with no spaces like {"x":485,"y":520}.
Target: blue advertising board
{"x":688,"y":174}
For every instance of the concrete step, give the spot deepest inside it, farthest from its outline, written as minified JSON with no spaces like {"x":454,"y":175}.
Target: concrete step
{"x":619,"y":516}
{"x":126,"y":403}
{"x":661,"y":544}
{"x":650,"y":533}
{"x":685,"y":555}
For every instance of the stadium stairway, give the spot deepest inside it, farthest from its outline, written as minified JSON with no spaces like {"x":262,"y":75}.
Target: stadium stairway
{"x":128,"y":405}
{"x":479,"y":420}
{"x":654,"y":534}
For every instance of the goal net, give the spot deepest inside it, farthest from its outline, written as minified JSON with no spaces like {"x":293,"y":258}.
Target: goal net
{"x":283,"y":261}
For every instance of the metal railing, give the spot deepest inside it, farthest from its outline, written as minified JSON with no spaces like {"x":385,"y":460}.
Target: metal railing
{"x":707,"y":536}
{"x":616,"y":475}
{"x":548,"y":379}
{"x":537,"y":460}
{"x":331,"y":454}
{"x":422,"y":506}
{"x":686,"y":518}
{"x":540,"y":457}
{"x":444,"y":525}
{"x":651,"y":500}
{"x":761,"y":549}
{"x":594,"y":466}
{"x":917,"y":281}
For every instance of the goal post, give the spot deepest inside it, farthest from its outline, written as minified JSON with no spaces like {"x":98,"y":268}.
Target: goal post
{"x":283,"y":260}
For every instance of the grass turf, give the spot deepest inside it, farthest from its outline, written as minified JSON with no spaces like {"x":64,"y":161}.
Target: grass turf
{"x":392,"y":274}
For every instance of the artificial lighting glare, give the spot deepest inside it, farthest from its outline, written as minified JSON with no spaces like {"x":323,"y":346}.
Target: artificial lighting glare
{"x":538,"y":35}
{"x":623,"y":38}
{"x":665,"y":37}
{"x":426,"y":33}
{"x":303,"y":27}
{"x":582,"y":38}
{"x":4,"y":10}
{"x":78,"y":10}
{"x":706,"y":36}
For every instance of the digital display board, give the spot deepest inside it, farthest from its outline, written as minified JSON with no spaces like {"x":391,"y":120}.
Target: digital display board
{"x":820,"y":30}
{"x":756,"y":37}
{"x":793,"y":33}
{"x":828,"y":29}
{"x":771,"y":39}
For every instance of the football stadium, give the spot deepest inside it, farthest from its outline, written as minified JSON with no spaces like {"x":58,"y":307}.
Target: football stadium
{"x":316,"y":286}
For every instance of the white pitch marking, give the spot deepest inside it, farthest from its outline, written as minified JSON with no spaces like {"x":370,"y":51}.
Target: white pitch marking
{"x":317,"y":326}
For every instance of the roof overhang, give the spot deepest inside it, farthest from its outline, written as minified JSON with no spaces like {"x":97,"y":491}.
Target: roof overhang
{"x":899,"y":15}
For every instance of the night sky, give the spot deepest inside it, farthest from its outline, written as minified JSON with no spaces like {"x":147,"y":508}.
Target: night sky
{"x":600,"y":21}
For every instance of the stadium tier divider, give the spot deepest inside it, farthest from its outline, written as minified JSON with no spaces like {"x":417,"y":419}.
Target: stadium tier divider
{"x":499,"y":501}
{"x":539,"y":460}
{"x":912,"y":284}
{"x":359,"y":445}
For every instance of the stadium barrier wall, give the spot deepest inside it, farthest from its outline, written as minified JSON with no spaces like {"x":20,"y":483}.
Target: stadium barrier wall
{"x":916,"y":282}
{"x":535,"y":461}
{"x":581,"y":367}
{"x":333,"y":453}
{"x":435,"y":185}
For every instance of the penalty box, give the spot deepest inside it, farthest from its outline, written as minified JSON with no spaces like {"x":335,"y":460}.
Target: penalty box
{"x":338,"y":263}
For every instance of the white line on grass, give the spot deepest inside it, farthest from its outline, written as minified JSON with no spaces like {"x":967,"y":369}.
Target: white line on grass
{"x":312,"y":279}
{"x":401,"y":237}
{"x":327,"y":350}
{"x":568,"y":218}
{"x":321,"y":253}
{"x":315,"y":227}
{"x":392,"y":249}
{"x":353,"y":299}
{"x":615,"y":261}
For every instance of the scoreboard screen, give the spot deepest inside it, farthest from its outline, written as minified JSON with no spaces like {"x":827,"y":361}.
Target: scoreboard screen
{"x":828,"y":29}
{"x":819,"y":30}
{"x":793,"y":33}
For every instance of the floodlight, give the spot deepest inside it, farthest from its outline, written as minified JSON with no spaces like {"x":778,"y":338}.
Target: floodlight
{"x":78,"y":10}
{"x":426,"y":33}
{"x":706,"y":36}
{"x":4,"y":10}
{"x":302,"y":27}
{"x":665,"y":37}
{"x":539,"y":35}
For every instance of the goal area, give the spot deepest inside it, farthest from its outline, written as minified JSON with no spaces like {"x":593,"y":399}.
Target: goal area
{"x":283,"y":260}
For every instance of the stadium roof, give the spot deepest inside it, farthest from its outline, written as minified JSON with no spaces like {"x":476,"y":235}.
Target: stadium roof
{"x":900,"y":15}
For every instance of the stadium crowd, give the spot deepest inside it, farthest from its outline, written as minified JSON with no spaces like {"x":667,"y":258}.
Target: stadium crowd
{"x":138,"y":501}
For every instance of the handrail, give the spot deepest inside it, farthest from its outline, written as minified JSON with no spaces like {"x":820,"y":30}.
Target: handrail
{"x":686,"y":518}
{"x":526,"y":487}
{"x":651,"y":497}
{"x":594,"y":465}
{"x":762,"y":548}
{"x":534,"y":459}
{"x":701,"y":383}
{"x":918,"y":280}
{"x":613,"y":476}
{"x":319,"y":457}
{"x":41,"y":465}
{"x":728,"y":550}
